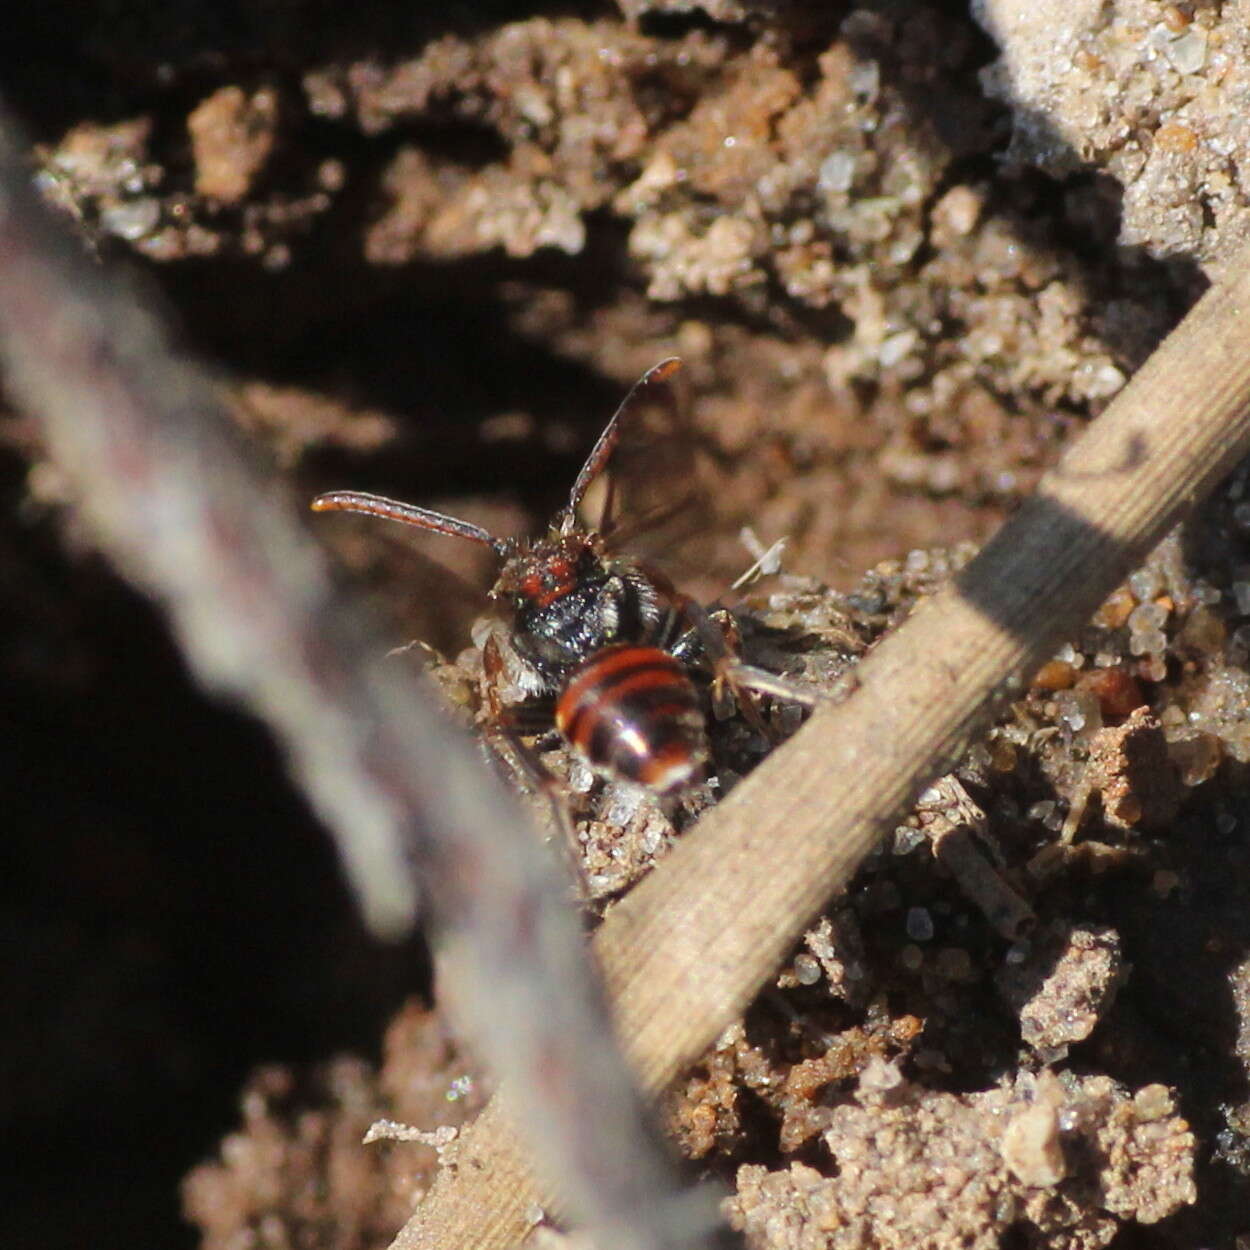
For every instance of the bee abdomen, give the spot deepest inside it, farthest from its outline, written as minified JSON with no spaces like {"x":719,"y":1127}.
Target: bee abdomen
{"x":633,"y":711}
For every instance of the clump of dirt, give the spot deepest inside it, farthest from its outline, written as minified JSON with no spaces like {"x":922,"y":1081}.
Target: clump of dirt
{"x":808,"y":204}
{"x":925,"y":1168}
{"x":1149,"y":94}
{"x":295,"y":1172}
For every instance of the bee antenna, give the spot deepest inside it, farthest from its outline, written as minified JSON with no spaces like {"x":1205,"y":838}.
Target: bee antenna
{"x":410,"y":514}
{"x":603,"y":449}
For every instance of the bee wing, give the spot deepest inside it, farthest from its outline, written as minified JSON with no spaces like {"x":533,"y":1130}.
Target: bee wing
{"x":649,"y":498}
{"x":605,"y":448}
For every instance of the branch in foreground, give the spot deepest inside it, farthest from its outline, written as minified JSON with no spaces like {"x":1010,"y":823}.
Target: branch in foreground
{"x":686,"y":951}
{"x":174,"y":500}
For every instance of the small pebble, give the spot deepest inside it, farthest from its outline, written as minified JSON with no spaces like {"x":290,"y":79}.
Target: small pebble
{"x":1055,"y":675}
{"x":919,"y":924}
{"x":1188,"y":54}
{"x":806,"y":970}
{"x":131,"y":219}
{"x":907,"y":838}
{"x":1116,"y":610}
{"x":1152,"y":1102}
{"x":837,"y":173}
{"x":1144,"y":584}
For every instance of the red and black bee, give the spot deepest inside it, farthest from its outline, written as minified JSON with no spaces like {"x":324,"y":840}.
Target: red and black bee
{"x":597,"y":643}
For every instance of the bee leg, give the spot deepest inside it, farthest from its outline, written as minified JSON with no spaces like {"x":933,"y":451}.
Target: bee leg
{"x":525,"y":770}
{"x":715,"y":633}
{"x":727,"y":685}
{"x":713,"y":637}
{"x":759,"y":680}
{"x":521,"y":764}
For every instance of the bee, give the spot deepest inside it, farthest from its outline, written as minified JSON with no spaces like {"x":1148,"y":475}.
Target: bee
{"x":600,"y":647}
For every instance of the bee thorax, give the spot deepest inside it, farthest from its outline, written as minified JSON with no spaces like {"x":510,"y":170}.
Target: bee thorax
{"x":557,"y":630}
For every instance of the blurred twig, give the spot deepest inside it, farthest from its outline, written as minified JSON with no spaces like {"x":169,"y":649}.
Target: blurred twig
{"x":174,"y":500}
{"x":688,"y":948}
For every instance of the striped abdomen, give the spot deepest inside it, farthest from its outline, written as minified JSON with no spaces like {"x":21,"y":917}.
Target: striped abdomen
{"x":633,"y":711}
